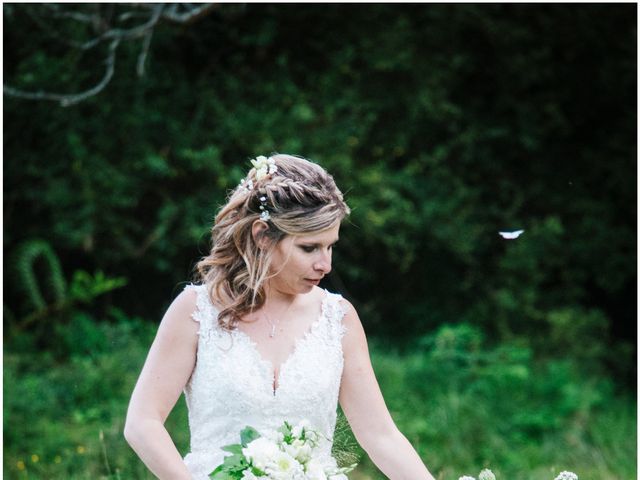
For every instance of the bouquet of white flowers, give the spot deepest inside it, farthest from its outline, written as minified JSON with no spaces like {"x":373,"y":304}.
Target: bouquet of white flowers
{"x":288,"y":453}
{"x":487,"y":474}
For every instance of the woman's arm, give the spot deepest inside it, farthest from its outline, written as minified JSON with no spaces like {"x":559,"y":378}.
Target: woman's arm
{"x":165,"y":373}
{"x":363,"y":405}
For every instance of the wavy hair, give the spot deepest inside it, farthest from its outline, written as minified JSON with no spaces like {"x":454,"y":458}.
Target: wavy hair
{"x":301,"y":198}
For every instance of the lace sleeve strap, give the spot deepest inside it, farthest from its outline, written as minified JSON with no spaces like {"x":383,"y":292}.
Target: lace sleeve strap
{"x":204,"y":313}
{"x":335,"y":310}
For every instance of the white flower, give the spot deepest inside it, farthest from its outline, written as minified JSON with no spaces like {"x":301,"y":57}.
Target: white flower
{"x":260,"y":452}
{"x":283,"y":466}
{"x":248,"y":475}
{"x":466,"y":477}
{"x":315,"y":470}
{"x":300,"y":450}
{"x":296,"y":459}
{"x":486,"y":474}
{"x":567,"y":476}
{"x":246,"y":185}
{"x":264,"y":166}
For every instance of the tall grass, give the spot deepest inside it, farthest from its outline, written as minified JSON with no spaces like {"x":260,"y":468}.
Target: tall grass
{"x":463,"y":404}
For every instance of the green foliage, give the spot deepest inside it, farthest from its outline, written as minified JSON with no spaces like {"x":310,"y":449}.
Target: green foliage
{"x":30,"y":283}
{"x":85,"y":287}
{"x":56,"y":409}
{"x":463,"y":403}
{"x":442,"y":123}
{"x":248,"y":435}
{"x":234,"y":464}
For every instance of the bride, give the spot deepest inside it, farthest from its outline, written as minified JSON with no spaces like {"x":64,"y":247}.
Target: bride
{"x":257,"y":342}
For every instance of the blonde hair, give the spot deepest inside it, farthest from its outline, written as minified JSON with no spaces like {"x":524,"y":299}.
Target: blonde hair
{"x":301,"y":198}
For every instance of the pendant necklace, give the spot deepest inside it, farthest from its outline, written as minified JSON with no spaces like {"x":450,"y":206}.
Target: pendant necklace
{"x":272,"y":333}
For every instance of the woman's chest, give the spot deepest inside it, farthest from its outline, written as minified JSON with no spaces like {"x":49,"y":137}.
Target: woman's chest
{"x":231,"y":364}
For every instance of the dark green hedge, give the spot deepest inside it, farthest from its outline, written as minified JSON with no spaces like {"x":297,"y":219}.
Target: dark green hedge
{"x":442,"y":123}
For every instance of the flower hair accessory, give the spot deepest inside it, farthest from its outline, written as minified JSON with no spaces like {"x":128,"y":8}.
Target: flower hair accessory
{"x":245,"y":186}
{"x":264,"y":213}
{"x":264,"y":167}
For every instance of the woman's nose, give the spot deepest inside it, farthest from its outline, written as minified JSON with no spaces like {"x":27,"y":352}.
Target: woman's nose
{"x":324,"y":264}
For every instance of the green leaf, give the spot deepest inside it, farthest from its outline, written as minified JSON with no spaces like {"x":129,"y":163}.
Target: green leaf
{"x":236,"y":448}
{"x":248,"y":435}
{"x":223,"y":475}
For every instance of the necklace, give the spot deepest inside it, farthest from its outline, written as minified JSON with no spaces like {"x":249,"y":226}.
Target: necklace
{"x":272,"y":333}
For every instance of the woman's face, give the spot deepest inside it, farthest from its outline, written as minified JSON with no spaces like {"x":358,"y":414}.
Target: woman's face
{"x":299,"y":262}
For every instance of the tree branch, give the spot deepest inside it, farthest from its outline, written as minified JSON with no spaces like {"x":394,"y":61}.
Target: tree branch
{"x":80,"y":17}
{"x":193,"y":14}
{"x":71,"y":99}
{"x":130,"y":33}
{"x":100,"y":22}
{"x":146,"y":41}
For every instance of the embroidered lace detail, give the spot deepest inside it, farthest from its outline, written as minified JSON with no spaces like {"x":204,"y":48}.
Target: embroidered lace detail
{"x":232,"y":385}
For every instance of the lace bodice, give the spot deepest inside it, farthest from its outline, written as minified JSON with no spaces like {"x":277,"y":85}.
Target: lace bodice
{"x":232,"y":385}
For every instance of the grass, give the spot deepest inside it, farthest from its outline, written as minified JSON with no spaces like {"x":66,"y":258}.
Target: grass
{"x":462,"y":404}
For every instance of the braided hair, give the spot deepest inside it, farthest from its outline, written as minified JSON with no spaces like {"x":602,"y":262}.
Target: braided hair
{"x":300,"y":198}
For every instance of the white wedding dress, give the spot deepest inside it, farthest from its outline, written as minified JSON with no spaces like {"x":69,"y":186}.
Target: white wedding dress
{"x":232,"y":386}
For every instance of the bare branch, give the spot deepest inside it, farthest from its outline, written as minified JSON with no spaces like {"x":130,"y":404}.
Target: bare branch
{"x":71,"y":99}
{"x":184,"y":13}
{"x":146,"y":41}
{"x":80,"y":17}
{"x":130,"y":33}
{"x":123,"y":17}
{"x":191,"y":15}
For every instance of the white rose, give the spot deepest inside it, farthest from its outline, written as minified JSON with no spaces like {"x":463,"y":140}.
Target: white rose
{"x":284,"y":467}
{"x":260,"y":452}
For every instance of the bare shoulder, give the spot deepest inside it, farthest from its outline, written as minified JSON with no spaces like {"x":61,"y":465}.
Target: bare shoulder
{"x":178,"y":319}
{"x":350,"y":313}
{"x":185,"y":301}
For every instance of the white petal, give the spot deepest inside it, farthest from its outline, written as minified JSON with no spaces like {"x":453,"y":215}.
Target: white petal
{"x":511,"y":235}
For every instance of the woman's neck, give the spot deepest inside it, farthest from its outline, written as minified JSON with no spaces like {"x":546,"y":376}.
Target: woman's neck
{"x":277,"y":299}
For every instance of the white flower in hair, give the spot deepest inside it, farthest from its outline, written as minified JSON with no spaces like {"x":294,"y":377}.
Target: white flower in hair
{"x":264,"y":166}
{"x":246,"y":185}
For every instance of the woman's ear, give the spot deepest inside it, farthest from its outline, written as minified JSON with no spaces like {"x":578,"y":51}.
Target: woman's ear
{"x":258,"y":232}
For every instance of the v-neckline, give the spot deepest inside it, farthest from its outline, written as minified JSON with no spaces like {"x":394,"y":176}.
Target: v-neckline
{"x":275,"y":376}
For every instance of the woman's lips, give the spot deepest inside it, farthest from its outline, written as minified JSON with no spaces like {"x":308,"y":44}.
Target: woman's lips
{"x":315,"y":281}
